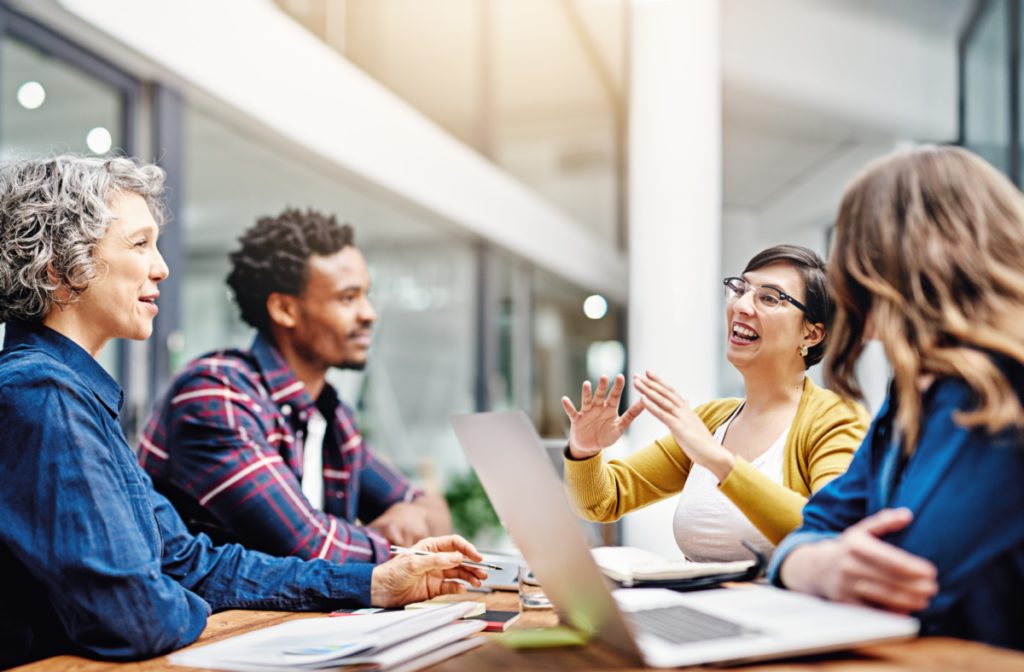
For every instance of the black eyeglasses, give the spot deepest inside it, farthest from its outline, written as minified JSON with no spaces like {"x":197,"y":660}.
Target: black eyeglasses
{"x":767,"y":298}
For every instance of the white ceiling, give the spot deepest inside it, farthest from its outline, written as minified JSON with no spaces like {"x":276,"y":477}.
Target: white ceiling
{"x":775,"y":141}
{"x":549,"y":99}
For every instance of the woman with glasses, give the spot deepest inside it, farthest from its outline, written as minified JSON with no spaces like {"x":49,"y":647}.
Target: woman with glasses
{"x":929,"y":260}
{"x":744,"y":467}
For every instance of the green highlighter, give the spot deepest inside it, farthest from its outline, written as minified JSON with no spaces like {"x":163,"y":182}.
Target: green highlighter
{"x":541,"y":638}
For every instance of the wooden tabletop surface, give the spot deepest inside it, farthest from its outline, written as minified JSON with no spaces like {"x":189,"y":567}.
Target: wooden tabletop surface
{"x":931,"y":654}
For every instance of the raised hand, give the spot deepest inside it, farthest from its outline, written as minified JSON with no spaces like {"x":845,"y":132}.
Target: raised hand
{"x":858,"y":567}
{"x":598,"y":424}
{"x":686,"y":427}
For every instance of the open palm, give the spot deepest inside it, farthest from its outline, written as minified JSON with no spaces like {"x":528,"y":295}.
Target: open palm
{"x":597,"y":424}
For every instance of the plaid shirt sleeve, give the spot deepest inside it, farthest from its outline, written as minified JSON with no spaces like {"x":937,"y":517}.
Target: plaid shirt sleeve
{"x":380,"y":485}
{"x":221,"y":433}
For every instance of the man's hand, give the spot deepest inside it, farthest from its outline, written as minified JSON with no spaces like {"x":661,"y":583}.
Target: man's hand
{"x":598,"y":424}
{"x":860,"y":568}
{"x":414,"y":578}
{"x":403,"y":523}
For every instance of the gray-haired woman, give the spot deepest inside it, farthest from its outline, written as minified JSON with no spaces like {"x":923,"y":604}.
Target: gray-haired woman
{"x":93,"y":561}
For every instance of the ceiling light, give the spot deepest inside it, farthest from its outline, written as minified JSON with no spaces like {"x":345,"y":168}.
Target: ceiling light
{"x":99,"y":141}
{"x":595,"y":307}
{"x":31,"y":95}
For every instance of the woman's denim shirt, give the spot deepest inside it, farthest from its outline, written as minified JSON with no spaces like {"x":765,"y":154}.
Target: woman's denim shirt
{"x":93,"y":561}
{"x":964,"y":487}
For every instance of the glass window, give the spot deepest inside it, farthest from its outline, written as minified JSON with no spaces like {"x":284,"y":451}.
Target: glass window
{"x":49,"y":106}
{"x":569,"y":347}
{"x":987,"y":86}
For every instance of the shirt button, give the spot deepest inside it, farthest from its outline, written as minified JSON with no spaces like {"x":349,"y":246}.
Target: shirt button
{"x":303,"y":416}
{"x":286,"y":410}
{"x":153,"y":574}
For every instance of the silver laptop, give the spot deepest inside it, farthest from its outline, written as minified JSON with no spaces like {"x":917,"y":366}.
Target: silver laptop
{"x":658,"y":627}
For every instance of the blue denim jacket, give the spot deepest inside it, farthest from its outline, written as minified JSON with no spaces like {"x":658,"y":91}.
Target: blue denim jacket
{"x":93,"y":561}
{"x":964,"y":487}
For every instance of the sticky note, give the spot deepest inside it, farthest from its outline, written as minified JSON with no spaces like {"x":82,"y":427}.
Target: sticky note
{"x":541,"y":638}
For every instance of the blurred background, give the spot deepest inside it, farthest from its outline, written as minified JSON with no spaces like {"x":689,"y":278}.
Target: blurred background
{"x":545,"y":190}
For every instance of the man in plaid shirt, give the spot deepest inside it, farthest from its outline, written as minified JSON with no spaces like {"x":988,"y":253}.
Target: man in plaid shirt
{"x":254,"y":446}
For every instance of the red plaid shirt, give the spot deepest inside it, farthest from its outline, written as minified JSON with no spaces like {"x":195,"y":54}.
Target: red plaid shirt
{"x":226,"y":448}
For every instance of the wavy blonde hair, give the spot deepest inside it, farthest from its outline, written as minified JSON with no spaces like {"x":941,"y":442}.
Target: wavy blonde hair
{"x":929,"y":243}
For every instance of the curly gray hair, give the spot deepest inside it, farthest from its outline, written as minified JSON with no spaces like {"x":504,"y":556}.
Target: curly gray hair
{"x":53,"y":213}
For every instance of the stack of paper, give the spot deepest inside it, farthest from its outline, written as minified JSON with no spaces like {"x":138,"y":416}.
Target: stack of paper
{"x":389,"y":640}
{"x":628,"y":565}
{"x":477,"y":607}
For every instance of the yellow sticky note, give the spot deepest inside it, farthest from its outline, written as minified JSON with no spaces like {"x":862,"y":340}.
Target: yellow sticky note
{"x":541,"y":638}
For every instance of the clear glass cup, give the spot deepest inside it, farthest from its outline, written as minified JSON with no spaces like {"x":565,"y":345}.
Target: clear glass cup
{"x":531,"y":596}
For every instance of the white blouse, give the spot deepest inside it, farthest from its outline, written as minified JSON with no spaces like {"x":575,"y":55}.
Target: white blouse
{"x":708,"y":527}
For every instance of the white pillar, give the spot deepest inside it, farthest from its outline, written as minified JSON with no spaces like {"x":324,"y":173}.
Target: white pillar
{"x":675,"y":216}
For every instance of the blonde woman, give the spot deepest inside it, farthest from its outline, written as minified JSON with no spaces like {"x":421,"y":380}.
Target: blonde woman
{"x":929,"y":260}
{"x":745,"y":467}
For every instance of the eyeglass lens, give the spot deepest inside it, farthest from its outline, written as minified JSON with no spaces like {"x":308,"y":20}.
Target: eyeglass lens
{"x":766,"y":297}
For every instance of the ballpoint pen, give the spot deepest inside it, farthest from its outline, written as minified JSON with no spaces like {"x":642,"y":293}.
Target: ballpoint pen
{"x":402,"y":550}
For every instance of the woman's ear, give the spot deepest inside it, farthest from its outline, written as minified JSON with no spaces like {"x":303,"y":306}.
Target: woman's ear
{"x":61,"y":293}
{"x":813,"y":334}
{"x":283,"y":310}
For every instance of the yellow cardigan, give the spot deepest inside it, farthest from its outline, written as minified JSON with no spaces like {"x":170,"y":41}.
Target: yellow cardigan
{"x":822,"y":439}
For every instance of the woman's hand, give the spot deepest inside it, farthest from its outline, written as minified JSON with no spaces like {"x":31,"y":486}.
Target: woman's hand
{"x":598,"y":424}
{"x":413,"y":578}
{"x":686,"y":427}
{"x":859,"y":568}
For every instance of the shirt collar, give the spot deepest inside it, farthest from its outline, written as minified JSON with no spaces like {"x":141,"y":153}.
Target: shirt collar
{"x":285,"y":389}
{"x":62,"y":348}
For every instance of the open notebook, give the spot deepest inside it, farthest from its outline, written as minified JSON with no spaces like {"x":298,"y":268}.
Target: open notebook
{"x":628,"y":565}
{"x":636,"y":567}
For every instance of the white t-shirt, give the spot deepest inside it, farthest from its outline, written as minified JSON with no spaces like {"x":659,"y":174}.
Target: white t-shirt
{"x":313,"y":460}
{"x":708,"y":527}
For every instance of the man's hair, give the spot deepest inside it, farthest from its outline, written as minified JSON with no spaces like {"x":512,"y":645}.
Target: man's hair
{"x":53,"y":213}
{"x":811,"y":267}
{"x":273,"y":258}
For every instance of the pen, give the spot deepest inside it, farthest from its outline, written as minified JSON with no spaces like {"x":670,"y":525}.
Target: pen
{"x":413,"y":551}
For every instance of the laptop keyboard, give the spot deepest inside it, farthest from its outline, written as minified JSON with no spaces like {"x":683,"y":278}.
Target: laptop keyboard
{"x":679,"y":625}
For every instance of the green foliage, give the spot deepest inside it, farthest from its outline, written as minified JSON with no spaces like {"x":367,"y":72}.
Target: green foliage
{"x":472,"y":512}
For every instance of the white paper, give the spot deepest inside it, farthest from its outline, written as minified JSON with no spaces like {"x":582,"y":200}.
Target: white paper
{"x":319,"y":642}
{"x":438,"y":655}
{"x":418,"y":646}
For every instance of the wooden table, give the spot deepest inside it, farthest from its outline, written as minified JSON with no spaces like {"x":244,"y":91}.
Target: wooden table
{"x":932,"y":654}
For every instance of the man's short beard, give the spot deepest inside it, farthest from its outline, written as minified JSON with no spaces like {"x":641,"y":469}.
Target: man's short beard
{"x":351,"y":366}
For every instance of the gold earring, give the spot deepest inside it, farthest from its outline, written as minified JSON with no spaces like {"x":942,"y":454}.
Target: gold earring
{"x":803,"y":350}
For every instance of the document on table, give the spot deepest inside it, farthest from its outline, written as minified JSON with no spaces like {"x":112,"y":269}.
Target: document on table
{"x":382,"y":640}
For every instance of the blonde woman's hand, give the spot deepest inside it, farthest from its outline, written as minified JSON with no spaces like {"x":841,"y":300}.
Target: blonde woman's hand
{"x":598,"y":424}
{"x":859,"y":568}
{"x":686,"y":427}
{"x":413,"y":578}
